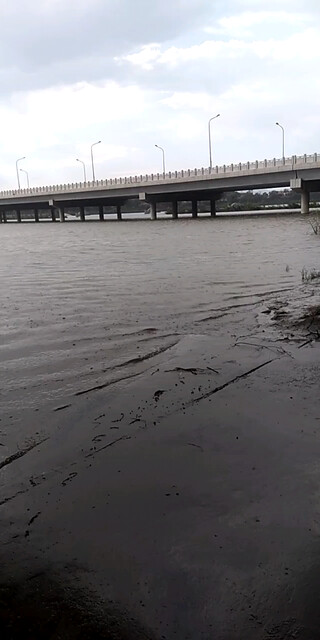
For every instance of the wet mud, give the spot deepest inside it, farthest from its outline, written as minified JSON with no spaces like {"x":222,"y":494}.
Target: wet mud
{"x":41,"y":607}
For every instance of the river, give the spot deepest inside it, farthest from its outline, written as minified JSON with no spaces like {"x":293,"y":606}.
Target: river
{"x":100,"y":320}
{"x":73,"y":298}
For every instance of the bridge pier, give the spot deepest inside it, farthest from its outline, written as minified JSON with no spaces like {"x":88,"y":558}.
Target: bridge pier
{"x":53,"y":217}
{"x":305,"y":201}
{"x":119,"y":213}
{"x":153,"y":210}
{"x":174,"y":209}
{"x":18,"y":215}
{"x":213,"y":211}
{"x":60,"y":213}
{"x":82,"y":214}
{"x":194,"y":204}
{"x":36,"y":215}
{"x":297,"y":184}
{"x":4,"y":216}
{"x":101,"y":216}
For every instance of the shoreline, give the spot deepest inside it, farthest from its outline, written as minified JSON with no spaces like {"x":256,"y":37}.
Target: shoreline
{"x":193,"y":483}
{"x":163,"y":215}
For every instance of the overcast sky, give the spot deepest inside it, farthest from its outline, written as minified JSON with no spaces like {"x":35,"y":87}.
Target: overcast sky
{"x":135,"y":73}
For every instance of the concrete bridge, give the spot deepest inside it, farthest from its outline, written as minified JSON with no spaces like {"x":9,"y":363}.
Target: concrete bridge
{"x":301,"y":173}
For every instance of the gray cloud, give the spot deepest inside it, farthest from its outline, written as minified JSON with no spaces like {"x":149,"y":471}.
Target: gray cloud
{"x":60,"y":42}
{"x":63,"y":42}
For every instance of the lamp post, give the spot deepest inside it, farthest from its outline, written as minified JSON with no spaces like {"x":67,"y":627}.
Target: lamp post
{"x":281,"y":127}
{"x":92,"y":163}
{"x":163,"y":159}
{"x":209,"y":131}
{"x":84,"y":169}
{"x":27,"y":174}
{"x":17,"y":170}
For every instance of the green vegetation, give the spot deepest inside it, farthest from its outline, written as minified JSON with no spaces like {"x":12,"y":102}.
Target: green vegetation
{"x":261,"y":200}
{"x":245,"y":201}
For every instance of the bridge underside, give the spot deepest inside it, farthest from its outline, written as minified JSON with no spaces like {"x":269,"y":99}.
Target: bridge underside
{"x":55,"y":207}
{"x":205,"y":188}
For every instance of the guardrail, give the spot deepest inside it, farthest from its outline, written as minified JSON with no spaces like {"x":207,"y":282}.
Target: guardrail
{"x":188,"y":174}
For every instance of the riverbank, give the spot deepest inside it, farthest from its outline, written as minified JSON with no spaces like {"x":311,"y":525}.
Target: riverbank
{"x":182,"y":502}
{"x":159,"y":432}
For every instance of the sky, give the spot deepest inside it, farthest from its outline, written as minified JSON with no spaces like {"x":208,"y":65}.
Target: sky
{"x":136,"y":73}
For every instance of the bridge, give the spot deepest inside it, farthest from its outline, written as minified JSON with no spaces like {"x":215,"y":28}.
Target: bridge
{"x":300,"y":173}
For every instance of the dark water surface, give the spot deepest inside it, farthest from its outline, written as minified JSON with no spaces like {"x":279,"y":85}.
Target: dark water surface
{"x":159,"y":430}
{"x":75,"y":299}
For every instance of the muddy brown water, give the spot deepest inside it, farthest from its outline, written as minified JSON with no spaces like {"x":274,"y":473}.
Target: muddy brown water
{"x":108,"y":330}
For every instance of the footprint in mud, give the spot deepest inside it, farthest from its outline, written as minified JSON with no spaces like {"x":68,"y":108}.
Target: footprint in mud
{"x":158,"y":394}
{"x":65,"y":406}
{"x":99,"y":417}
{"x":98,"y":437}
{"x":119,"y":420}
{"x":27,"y":531}
{"x":34,"y":518}
{"x":69,"y":478}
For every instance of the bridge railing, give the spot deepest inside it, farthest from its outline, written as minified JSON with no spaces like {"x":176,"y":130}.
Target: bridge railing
{"x":183,"y":174}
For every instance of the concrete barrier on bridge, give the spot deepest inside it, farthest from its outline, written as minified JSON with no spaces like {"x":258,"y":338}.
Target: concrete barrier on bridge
{"x":185,"y":175}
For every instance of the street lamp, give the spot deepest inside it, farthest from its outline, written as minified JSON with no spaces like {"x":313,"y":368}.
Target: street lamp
{"x":209,"y":131}
{"x":17,"y":170}
{"x":163,"y":159}
{"x":84,"y":169}
{"x":92,"y":164}
{"x":27,"y":174}
{"x":281,"y":127}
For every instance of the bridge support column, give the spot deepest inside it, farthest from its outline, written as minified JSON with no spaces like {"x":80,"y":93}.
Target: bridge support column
{"x":153,"y":210}
{"x":194,"y":203}
{"x":101,"y":216}
{"x":4,"y":216}
{"x":82,"y":214}
{"x":60,"y":212}
{"x":119,"y":214}
{"x":213,"y":211}
{"x":18,"y":215}
{"x":36,"y":215}
{"x":305,"y":201}
{"x":174,"y":209}
{"x":53,"y":216}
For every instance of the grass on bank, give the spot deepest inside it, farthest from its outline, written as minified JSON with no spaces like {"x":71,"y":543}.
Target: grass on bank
{"x":308,"y":275}
{"x":315,"y":224}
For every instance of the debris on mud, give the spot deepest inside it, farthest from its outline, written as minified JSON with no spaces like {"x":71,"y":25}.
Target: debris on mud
{"x":308,"y":275}
{"x":298,"y":317}
{"x":310,"y":320}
